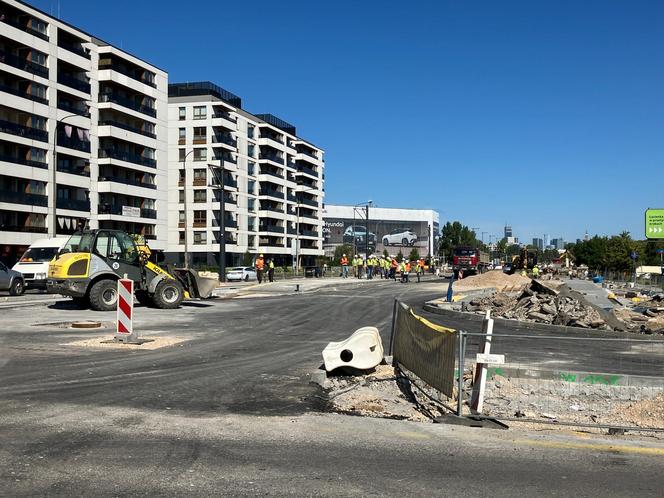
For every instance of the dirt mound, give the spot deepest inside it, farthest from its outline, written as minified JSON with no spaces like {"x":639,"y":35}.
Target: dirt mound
{"x":644,"y":413}
{"x":494,"y":279}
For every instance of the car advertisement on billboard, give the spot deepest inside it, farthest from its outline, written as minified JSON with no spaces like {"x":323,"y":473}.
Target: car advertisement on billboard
{"x":380,"y":235}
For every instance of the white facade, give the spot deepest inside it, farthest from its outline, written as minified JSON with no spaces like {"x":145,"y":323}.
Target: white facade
{"x":100,"y":110}
{"x":273,"y":181}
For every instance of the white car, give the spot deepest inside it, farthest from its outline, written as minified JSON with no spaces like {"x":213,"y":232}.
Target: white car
{"x":400,"y":237}
{"x":34,"y":262}
{"x":240,"y":273}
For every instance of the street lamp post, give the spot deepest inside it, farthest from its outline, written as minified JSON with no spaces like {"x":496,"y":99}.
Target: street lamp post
{"x":52,"y":226}
{"x":222,"y":219}
{"x":184,"y":201}
{"x":366,"y":206}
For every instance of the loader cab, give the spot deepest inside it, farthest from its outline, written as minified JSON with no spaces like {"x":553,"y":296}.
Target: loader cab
{"x":114,"y":247}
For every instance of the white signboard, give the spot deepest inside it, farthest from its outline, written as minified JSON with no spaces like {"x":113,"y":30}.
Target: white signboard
{"x":134,"y":212}
{"x":497,"y":359}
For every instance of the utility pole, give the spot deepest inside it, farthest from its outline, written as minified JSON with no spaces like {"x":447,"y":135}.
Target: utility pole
{"x":184,"y":201}
{"x":222,"y":218}
{"x":366,"y":238}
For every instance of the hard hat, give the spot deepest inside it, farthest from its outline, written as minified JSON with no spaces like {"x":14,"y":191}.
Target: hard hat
{"x":344,"y":256}
{"x":260,"y":255}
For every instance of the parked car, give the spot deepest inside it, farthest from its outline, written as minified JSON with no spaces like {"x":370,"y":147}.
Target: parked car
{"x":11,"y":280}
{"x":401,"y":236}
{"x":33,"y":265}
{"x":239,"y":273}
{"x":508,"y":268}
{"x":357,"y":235}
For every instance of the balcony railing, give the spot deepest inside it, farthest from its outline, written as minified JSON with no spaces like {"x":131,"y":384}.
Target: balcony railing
{"x":273,"y":209}
{"x":22,"y":228}
{"x":228,"y":223}
{"x":228,"y":182}
{"x":273,"y":138}
{"x":25,"y":95}
{"x":122,"y":70}
{"x":24,"y":64}
{"x":271,"y":157}
{"x":126,"y":181}
{"x":271,"y":228}
{"x":71,"y":143}
{"x":292,"y":198}
{"x":74,"y":48}
{"x":134,"y":129}
{"x":291,"y":231}
{"x":127,"y":156}
{"x":73,"y":204}
{"x":308,"y":233}
{"x":148,"y":213}
{"x":74,"y":170}
{"x":73,"y":82}
{"x":308,"y":202}
{"x":307,"y":153}
{"x":23,"y":198}
{"x":66,"y":106}
{"x":266,"y":172}
{"x":114,"y":209}
{"x":128,"y":103}
{"x":308,"y":171}
{"x":224,"y":115}
{"x":310,"y":216}
{"x":21,"y":160}
{"x":23,"y":131}
{"x":223,"y":139}
{"x":271,"y":192}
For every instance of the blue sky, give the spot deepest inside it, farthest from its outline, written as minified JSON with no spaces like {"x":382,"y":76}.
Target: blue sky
{"x":545,"y":115}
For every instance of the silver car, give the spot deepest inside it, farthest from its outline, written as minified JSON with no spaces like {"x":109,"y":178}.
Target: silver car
{"x":238,"y":273}
{"x":11,"y":280}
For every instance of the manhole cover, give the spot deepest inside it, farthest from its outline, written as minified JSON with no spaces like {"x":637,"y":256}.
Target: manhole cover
{"x":86,"y":325}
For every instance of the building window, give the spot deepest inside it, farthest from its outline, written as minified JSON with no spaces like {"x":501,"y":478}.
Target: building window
{"x":200,"y":218}
{"x":200,"y":135}
{"x":148,"y":127}
{"x":200,"y":112}
{"x":200,"y":195}
{"x":182,"y":153}
{"x":251,"y":150}
{"x":200,"y":154}
{"x":181,"y":219}
{"x":200,"y":175}
{"x":200,"y":238}
{"x":251,"y":131}
{"x":181,"y":237}
{"x":251,"y":167}
{"x":251,"y":186}
{"x":182,"y":113}
{"x":181,"y":197}
{"x":182,"y":136}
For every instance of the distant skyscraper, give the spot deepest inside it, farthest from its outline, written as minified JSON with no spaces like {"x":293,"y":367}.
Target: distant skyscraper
{"x":508,"y":232}
{"x":558,"y":243}
{"x":586,"y":236}
{"x":547,"y":243}
{"x":538,"y":243}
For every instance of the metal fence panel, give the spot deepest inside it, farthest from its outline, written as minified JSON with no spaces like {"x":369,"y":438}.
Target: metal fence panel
{"x":424,"y":348}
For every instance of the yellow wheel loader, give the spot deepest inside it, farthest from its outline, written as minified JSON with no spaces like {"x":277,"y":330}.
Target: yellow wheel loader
{"x":88,"y":266}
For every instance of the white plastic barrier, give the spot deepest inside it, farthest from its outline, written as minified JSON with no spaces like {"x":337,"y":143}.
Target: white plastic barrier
{"x":362,"y":350}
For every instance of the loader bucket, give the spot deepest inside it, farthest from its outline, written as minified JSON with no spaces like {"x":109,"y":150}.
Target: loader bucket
{"x":199,"y":286}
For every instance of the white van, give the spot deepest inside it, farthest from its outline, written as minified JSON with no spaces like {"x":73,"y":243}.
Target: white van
{"x":34,"y":262}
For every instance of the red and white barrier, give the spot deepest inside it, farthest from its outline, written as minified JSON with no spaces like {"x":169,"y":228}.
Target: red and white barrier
{"x":125,"y":328}
{"x":479,"y":381}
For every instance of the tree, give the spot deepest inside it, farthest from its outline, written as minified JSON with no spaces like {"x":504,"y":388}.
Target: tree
{"x":339,"y":251}
{"x":385,"y":253}
{"x":414,"y":254}
{"x":399,"y":256}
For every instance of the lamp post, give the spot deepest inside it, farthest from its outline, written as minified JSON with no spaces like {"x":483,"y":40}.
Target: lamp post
{"x":184,"y":201}
{"x":298,"y":198}
{"x":366,"y":206}
{"x":52,"y":226}
{"x":222,"y":218}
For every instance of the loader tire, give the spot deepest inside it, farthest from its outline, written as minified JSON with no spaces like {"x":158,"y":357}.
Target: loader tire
{"x":104,"y":295}
{"x":168,"y":294}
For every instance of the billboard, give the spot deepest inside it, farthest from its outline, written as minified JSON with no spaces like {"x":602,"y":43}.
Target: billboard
{"x":380,"y":235}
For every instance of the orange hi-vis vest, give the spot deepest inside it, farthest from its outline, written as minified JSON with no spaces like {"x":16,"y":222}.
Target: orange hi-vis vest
{"x":344,"y":261}
{"x":407,"y":267}
{"x":260,"y":263}
{"x":394,"y":263}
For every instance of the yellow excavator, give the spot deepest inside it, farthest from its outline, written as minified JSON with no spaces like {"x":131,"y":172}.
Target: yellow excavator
{"x":88,"y":266}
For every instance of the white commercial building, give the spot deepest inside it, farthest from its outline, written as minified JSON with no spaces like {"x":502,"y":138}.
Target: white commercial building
{"x":384,"y":229}
{"x":272,"y":182}
{"x":82,"y":130}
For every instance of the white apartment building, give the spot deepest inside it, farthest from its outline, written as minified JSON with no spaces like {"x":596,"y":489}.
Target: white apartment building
{"x":273,"y":182}
{"x":82,"y":129}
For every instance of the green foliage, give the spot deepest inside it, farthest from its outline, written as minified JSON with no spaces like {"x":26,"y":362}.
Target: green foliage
{"x":385,"y":253}
{"x":339,"y":251}
{"x":414,"y":254}
{"x":455,"y":234}
{"x":399,"y":256}
{"x":612,"y":253}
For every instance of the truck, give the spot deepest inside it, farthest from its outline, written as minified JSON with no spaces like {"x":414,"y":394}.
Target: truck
{"x":469,"y":260}
{"x":89,"y":265}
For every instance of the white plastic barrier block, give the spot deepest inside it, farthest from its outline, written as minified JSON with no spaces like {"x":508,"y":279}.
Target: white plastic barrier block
{"x":362,"y":350}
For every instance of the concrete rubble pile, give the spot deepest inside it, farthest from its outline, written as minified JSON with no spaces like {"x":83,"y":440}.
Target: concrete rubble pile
{"x":541,"y":304}
{"x":646,"y":316}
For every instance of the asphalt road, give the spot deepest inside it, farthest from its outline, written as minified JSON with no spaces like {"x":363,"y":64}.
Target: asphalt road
{"x":230,"y":412}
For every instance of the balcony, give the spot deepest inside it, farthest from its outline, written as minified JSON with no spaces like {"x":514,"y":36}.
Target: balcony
{"x":271,"y":157}
{"x":13,"y":22}
{"x":23,"y":198}
{"x":274,"y":138}
{"x":23,"y":131}
{"x":273,"y":209}
{"x":115,"y":209}
{"x":224,"y":115}
{"x":308,"y":233}
{"x":69,"y":107}
{"x":271,"y":192}
{"x":73,"y":82}
{"x":81,"y":170}
{"x":271,"y":228}
{"x":117,"y":124}
{"x":149,"y":213}
{"x":127,"y":156}
{"x":114,"y":98}
{"x":224,"y":139}
{"x":126,"y":181}
{"x":71,"y":143}
{"x":307,"y":170}
{"x":309,"y":202}
{"x":119,"y":68}
{"x":308,"y":153}
{"x":291,"y":231}
{"x":24,"y":229}
{"x":73,"y":204}
{"x":228,"y":223}
{"x":74,"y":48}
{"x":228,"y":182}
{"x":266,"y":172}
{"x":23,"y":64}
{"x":21,"y":160}
{"x":310,"y":216}
{"x":25,"y":95}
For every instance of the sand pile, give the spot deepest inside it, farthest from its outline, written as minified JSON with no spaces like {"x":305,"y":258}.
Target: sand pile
{"x":494,"y":279}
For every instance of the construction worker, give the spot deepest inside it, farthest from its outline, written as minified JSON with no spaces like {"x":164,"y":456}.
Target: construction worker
{"x":536,"y":272}
{"x":260,"y":266}
{"x":393,"y":269}
{"x":407,"y":268}
{"x":344,"y":266}
{"x":270,"y":270}
{"x":358,"y":266}
{"x":369,"y":267}
{"x":420,"y":268}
